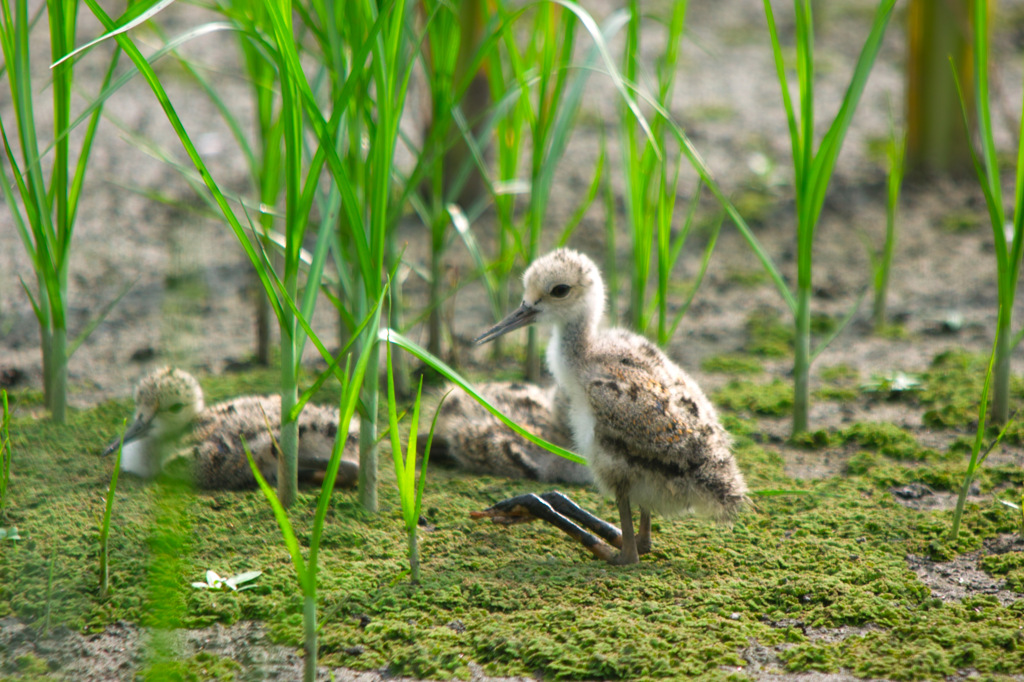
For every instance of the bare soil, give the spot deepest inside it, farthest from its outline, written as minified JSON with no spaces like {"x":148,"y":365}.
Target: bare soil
{"x":943,"y":290}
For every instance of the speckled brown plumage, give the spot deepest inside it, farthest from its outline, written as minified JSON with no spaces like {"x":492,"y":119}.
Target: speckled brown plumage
{"x":219,"y":459}
{"x":172,"y":421}
{"x":650,"y":434}
{"x":477,"y":441}
{"x":657,"y":437}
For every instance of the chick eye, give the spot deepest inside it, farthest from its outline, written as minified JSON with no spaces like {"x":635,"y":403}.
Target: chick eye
{"x":176,"y":408}
{"x":560,"y":290}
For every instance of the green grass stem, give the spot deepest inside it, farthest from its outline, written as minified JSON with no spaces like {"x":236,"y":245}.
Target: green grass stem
{"x":360,"y":157}
{"x":509,"y":135}
{"x":611,"y":266}
{"x":306,"y":568}
{"x":1009,"y":243}
{"x":300,"y":183}
{"x":264,"y":157}
{"x":650,"y":183}
{"x":881,"y":260}
{"x":813,"y":167}
{"x":977,"y":457}
{"x":550,"y":52}
{"x":410,"y":489}
{"x":44,"y":206}
{"x":444,"y":56}
{"x":938,"y":34}
{"x":551,"y":87}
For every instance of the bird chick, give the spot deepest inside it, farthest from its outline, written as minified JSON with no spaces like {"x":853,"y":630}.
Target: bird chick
{"x":651,"y":436}
{"x":171,"y":421}
{"x":475,"y":440}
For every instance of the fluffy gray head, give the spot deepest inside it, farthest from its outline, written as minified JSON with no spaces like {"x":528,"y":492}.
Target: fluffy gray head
{"x":560,"y":288}
{"x":168,"y":399}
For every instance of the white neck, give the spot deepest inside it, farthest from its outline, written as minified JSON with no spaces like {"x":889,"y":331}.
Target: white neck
{"x":569,"y":343}
{"x":137,"y":459}
{"x":561,"y":360}
{"x":556,"y":358}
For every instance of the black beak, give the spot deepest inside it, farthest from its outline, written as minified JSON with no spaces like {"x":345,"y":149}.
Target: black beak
{"x":139,"y":428}
{"x":520,"y":317}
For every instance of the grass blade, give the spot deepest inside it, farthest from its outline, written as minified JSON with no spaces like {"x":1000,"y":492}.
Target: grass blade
{"x":98,"y":318}
{"x":426,"y":454}
{"x":392,"y":336}
{"x":283,"y":522}
{"x":979,"y":435}
{"x":705,"y":262}
{"x":137,"y":14}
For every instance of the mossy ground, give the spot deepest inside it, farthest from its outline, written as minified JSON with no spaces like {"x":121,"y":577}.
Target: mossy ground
{"x":525,"y":600}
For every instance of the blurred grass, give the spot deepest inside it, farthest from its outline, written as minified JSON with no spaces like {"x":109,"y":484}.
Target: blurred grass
{"x":43,"y":195}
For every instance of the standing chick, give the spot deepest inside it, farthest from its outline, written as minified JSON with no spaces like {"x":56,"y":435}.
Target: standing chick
{"x":650,"y":434}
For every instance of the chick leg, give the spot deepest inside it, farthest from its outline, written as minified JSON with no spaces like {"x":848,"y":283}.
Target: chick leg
{"x":628,"y":554}
{"x":643,"y":541}
{"x":517,"y":510}
{"x":564,"y":505}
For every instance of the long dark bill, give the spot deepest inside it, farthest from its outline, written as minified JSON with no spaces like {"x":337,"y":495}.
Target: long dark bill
{"x":520,"y":317}
{"x":138,"y":429}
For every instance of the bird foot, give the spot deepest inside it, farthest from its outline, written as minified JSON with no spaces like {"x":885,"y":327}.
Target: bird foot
{"x":505,"y":514}
{"x":624,"y":559}
{"x":643,"y":546}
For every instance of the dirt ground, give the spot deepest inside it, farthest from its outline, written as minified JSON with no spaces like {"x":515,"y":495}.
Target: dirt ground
{"x":943,"y":290}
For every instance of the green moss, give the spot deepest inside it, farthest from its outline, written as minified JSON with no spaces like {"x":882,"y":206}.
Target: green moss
{"x":732,"y":364}
{"x":1002,"y":564}
{"x":821,"y":438}
{"x":1015,"y":580}
{"x":24,"y":399}
{"x":836,"y":393}
{"x":893,"y":332}
{"x":767,"y":335}
{"x":764,"y":469}
{"x":888,"y":439}
{"x":863,"y":463}
{"x":749,"y":279}
{"x":822,"y":324}
{"x":202,"y":667}
{"x":755,"y":202}
{"x":947,"y":478}
{"x":810,"y":657}
{"x":949,"y":416}
{"x":964,"y":220}
{"x":521,"y":600}
{"x":840,"y":384}
{"x":771,"y":399}
{"x":839,"y":373}
{"x":952,"y":390}
{"x":31,"y":666}
{"x":739,"y":426}
{"x":1014,"y":432}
